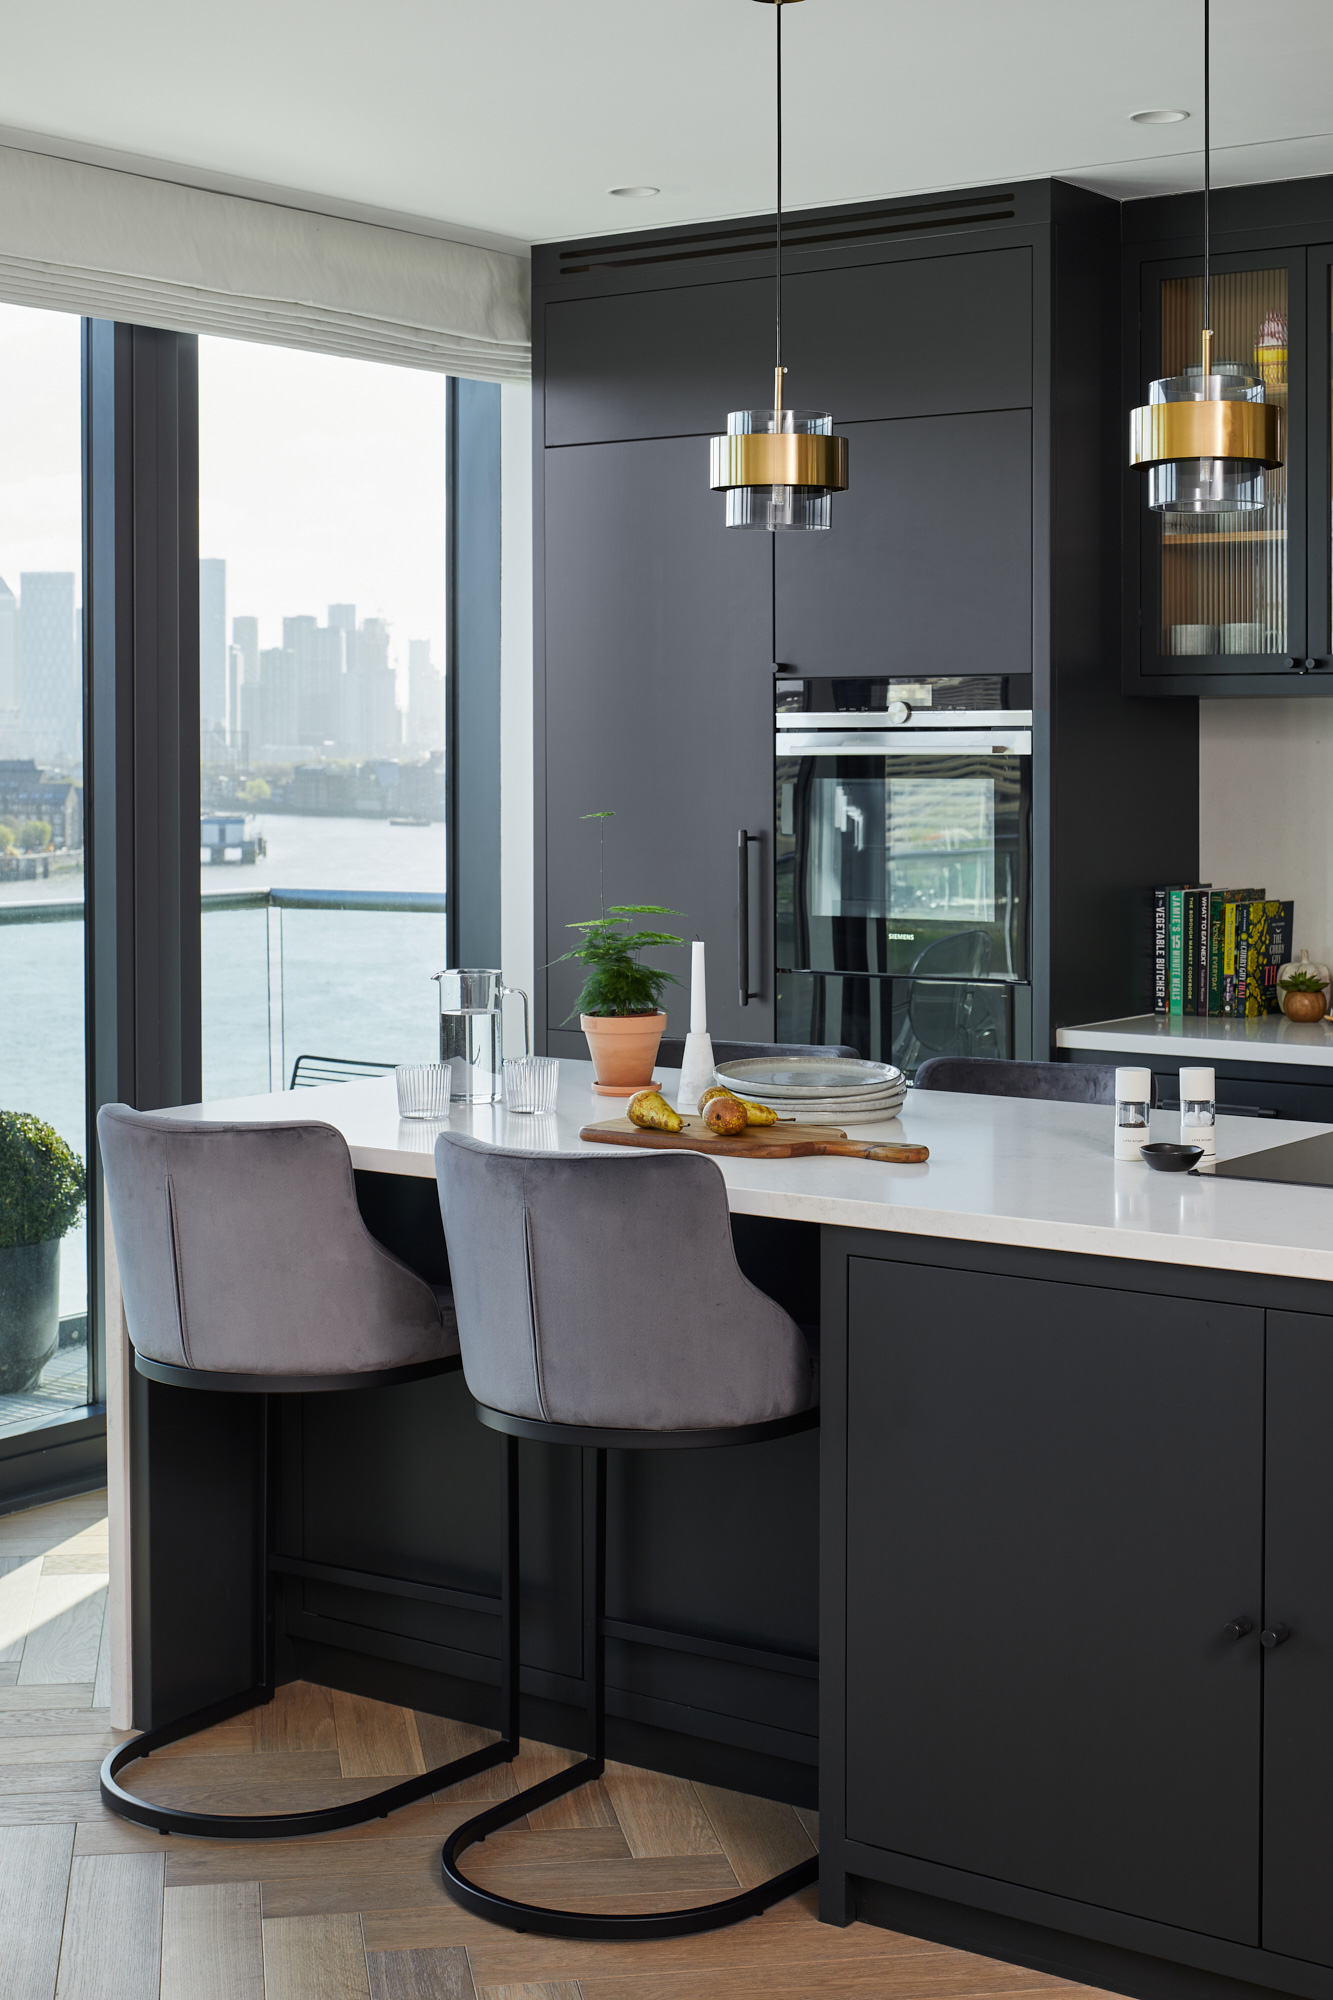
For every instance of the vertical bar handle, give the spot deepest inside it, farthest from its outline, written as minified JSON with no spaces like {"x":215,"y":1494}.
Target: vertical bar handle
{"x":744,"y":841}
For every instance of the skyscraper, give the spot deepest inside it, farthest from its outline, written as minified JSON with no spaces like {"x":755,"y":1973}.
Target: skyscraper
{"x":9,"y":670}
{"x":49,"y":675}
{"x":425,"y":698}
{"x":212,"y":642}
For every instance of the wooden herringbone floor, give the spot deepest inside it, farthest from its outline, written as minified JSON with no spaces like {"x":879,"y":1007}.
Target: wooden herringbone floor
{"x":94,"y":1909}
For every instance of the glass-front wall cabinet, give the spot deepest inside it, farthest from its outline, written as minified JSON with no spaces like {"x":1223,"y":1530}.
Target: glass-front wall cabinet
{"x":1224,"y":576}
{"x":1224,"y":572}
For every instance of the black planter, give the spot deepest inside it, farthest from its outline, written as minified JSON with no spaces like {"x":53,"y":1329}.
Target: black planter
{"x":29,"y":1312}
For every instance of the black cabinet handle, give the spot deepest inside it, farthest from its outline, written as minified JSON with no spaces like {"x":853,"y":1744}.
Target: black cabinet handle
{"x":1238,"y":1627}
{"x":744,"y":841}
{"x":1276,"y":1635}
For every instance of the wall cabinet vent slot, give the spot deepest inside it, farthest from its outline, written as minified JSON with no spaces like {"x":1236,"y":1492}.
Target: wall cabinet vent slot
{"x":900,"y":220}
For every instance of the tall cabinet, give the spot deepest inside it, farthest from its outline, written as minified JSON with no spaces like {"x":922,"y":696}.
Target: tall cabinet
{"x":968,"y":348}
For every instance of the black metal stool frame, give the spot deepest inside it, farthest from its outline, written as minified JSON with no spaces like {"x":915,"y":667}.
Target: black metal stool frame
{"x":284,"y":1826}
{"x":579,"y":1923}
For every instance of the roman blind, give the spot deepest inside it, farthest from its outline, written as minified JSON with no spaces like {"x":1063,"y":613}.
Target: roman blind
{"x":115,"y":245}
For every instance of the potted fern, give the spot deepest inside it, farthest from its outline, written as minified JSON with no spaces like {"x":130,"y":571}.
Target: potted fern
{"x":620,"y":1003}
{"x":42,"y":1192}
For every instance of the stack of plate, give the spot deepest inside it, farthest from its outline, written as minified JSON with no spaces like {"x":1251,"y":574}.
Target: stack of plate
{"x":818,"y":1090}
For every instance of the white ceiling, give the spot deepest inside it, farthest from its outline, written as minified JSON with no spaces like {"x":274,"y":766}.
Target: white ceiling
{"x":507,"y":121}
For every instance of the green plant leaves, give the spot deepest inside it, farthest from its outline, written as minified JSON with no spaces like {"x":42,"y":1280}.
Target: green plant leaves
{"x":42,"y":1181}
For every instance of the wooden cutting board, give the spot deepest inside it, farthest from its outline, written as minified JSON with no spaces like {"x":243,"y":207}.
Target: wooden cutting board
{"x":758,"y":1142}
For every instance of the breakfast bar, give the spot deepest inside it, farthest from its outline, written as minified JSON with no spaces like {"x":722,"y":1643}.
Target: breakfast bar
{"x":1038,"y":1617}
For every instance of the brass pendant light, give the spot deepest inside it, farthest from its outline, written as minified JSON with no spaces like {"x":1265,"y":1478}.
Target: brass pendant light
{"x":779,"y":467}
{"x":1206,"y":437}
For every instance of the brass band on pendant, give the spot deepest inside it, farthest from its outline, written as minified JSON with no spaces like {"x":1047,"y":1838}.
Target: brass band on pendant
{"x":777,"y":458}
{"x":1159,"y":432}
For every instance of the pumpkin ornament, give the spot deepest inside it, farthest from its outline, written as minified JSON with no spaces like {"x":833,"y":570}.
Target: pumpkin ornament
{"x":1304,"y":989}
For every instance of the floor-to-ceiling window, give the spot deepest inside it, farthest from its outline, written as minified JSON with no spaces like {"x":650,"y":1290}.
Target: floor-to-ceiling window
{"x":322,"y":653}
{"x":43,"y":1120}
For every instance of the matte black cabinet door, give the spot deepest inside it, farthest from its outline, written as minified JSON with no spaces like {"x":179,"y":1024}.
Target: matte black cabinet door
{"x":659,"y":707}
{"x":922,"y":337}
{"x":1054,"y":1506}
{"x":927,"y":568}
{"x":657,"y":364}
{"x":1298,"y":1675}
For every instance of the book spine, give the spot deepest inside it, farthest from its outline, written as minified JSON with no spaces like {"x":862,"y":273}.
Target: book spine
{"x":1174,"y":951}
{"x":1159,"y":985}
{"x":1201,"y":951}
{"x":1272,"y":954}
{"x":1243,"y":916}
{"x":1189,"y":919}
{"x":1228,"y":957}
{"x":1213,"y":982}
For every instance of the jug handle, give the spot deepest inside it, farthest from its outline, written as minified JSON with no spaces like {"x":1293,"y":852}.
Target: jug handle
{"x":505,"y":992}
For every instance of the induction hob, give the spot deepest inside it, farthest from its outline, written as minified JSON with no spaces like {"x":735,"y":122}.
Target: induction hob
{"x":1304,"y":1163}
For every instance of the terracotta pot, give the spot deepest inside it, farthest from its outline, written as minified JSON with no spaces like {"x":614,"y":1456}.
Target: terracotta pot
{"x":623,"y":1048}
{"x":1304,"y":1006}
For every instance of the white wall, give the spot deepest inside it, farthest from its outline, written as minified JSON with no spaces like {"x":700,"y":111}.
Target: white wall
{"x":1266,"y":806}
{"x":516,"y":815}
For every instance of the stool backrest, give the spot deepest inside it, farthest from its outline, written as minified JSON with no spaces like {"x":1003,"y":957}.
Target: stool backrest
{"x":672,"y":1050}
{"x":241,"y":1249}
{"x":1067,"y":1083}
{"x":600,"y":1291}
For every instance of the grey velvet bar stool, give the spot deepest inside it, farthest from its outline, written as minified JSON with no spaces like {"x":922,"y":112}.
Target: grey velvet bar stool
{"x":246,"y":1268}
{"x":993,"y":1076}
{"x":671,"y":1050}
{"x":600,"y":1305}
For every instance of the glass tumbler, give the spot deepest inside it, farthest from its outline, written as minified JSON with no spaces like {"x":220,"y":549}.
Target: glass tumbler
{"x":530,"y":1082}
{"x":423,"y":1090}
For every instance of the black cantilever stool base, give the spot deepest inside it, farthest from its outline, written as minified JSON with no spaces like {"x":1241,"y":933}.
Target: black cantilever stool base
{"x":537,"y":1917}
{"x":355,"y":1812}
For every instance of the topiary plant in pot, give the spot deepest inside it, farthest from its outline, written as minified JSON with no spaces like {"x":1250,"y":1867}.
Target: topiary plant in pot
{"x":620,"y":1003}
{"x":42,"y":1191}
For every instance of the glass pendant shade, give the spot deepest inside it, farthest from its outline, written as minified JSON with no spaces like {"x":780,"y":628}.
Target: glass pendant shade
{"x":779,"y":468}
{"x":1206,"y":440}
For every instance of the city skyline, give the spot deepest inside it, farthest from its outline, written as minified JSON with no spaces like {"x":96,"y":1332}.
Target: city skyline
{"x":332,"y":688}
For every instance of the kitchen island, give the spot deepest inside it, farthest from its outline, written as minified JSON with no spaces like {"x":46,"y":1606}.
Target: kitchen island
{"x":1065,"y":1562}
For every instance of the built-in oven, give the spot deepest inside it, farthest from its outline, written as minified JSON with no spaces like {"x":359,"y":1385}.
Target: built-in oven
{"x":903,"y":865}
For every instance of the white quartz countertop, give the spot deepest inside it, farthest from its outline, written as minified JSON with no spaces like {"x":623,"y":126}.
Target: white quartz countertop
{"x":1267,"y":1038}
{"x":1001,"y":1170}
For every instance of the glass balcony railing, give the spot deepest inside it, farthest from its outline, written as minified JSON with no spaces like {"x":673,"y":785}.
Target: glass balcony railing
{"x":286,"y":972}
{"x":332,"y":972}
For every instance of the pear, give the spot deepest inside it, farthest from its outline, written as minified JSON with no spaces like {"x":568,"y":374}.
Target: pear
{"x":725,"y":1115}
{"x":650,"y":1110}
{"x":755,"y":1114}
{"x":759,"y":1114}
{"x":717,"y":1090}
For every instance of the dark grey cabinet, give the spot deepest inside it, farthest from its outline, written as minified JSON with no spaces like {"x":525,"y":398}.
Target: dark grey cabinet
{"x":1298,"y":1675}
{"x":924,"y":336}
{"x":928,"y":569}
{"x":658,"y":694}
{"x":657,"y":364}
{"x":1054,"y":1509}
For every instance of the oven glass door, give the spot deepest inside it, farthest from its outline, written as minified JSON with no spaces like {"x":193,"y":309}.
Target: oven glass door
{"x":904,"y":853}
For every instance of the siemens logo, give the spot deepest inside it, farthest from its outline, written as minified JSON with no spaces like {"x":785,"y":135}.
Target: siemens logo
{"x":902,"y":937}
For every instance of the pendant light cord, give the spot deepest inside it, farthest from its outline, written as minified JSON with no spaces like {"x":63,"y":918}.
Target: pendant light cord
{"x":1207,"y":165}
{"x":777,"y":359}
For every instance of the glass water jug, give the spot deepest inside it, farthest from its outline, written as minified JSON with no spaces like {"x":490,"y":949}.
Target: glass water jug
{"x":472,"y":1033}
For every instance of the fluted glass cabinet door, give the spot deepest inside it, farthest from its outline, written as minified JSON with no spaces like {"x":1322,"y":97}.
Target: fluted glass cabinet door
{"x":1320,"y":475}
{"x":1224,"y":592}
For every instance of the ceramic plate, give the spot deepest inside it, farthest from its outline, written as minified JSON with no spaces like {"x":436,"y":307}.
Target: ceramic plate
{"x":806,"y":1076}
{"x":831,"y":1111}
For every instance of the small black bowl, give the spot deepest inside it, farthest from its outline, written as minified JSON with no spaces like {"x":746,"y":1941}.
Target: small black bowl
{"x":1171,"y":1159}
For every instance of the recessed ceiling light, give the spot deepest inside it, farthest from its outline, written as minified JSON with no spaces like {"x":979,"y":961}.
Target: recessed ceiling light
{"x":1157,"y":117}
{"x":634,"y":194}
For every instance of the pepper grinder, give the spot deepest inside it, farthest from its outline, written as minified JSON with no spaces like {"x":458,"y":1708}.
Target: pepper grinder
{"x":1133,"y":1096}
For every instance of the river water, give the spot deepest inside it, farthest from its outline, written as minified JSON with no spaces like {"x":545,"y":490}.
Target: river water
{"x":324,"y":982}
